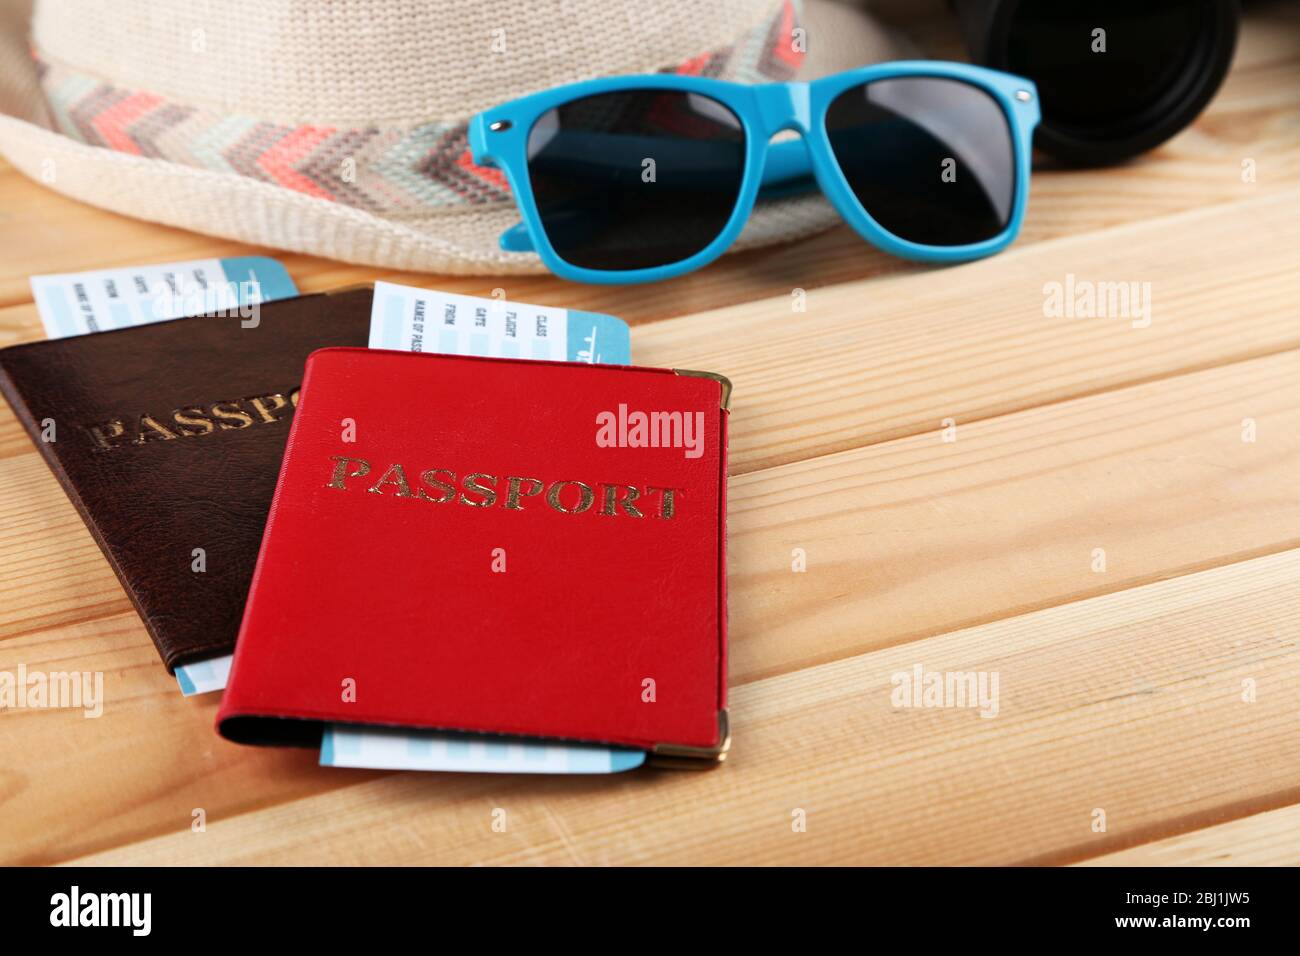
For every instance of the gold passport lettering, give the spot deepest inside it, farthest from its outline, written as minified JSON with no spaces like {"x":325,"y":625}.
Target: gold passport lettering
{"x":192,"y":420}
{"x":482,"y":490}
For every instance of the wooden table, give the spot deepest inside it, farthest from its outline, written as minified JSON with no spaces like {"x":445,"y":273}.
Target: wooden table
{"x":1157,"y":685}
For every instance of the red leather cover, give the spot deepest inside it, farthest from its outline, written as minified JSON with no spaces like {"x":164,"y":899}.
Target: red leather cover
{"x":390,"y":582}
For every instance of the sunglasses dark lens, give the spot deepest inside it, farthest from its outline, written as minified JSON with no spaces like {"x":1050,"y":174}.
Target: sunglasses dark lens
{"x":930,"y":159}
{"x":635,"y":179}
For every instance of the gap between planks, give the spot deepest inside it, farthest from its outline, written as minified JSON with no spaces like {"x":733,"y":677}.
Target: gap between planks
{"x":1263,"y":839}
{"x":920,"y":535}
{"x":906,"y":538}
{"x":1129,"y":703}
{"x":869,"y":363}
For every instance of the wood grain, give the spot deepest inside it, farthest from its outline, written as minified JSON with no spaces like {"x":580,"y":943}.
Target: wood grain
{"x":1128,"y":703}
{"x":916,"y":536}
{"x":1143,"y":473}
{"x":903,"y":539}
{"x":1264,"y":839}
{"x":877,"y":359}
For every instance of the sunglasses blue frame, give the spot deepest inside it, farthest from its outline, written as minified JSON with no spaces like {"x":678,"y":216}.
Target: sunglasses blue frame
{"x":499,"y":138}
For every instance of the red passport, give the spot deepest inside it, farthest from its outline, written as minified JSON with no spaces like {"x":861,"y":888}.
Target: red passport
{"x":485,"y":545}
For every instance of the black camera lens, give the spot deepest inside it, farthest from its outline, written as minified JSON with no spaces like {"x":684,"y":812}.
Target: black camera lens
{"x":1115,"y":77}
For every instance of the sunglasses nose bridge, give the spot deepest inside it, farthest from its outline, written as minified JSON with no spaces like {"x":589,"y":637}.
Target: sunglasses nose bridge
{"x":783,"y":106}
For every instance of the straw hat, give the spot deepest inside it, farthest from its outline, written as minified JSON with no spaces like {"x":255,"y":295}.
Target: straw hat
{"x":338,"y":129}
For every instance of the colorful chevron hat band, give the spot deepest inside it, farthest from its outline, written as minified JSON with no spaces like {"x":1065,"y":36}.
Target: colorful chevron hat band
{"x":391,"y":170}
{"x":340,"y":129}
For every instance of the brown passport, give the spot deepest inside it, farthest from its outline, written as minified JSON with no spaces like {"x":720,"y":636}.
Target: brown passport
{"x":168,"y":439}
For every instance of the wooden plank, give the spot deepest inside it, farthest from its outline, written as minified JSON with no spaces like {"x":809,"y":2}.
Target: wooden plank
{"x":1128,"y":703}
{"x":1268,"y":32}
{"x":53,"y":572}
{"x":881,"y":526}
{"x":879,"y":359}
{"x":876,"y":360}
{"x":46,"y":232}
{"x":904,"y":539}
{"x":917,"y":535}
{"x":68,"y":781}
{"x":1264,"y":839}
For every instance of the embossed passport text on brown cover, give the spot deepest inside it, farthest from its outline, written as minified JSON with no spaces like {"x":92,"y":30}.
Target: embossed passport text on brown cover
{"x":168,"y":439}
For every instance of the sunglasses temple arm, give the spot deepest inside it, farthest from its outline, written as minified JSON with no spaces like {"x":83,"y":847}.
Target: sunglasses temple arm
{"x":516,"y":239}
{"x":787,"y":172}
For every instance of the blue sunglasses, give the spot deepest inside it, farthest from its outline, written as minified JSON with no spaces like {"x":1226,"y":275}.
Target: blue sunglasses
{"x":639,"y":178}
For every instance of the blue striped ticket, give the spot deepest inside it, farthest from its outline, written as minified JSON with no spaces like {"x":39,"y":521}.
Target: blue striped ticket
{"x":384,"y":748}
{"x":78,"y":303}
{"x":408,"y":319}
{"x":203,"y":677}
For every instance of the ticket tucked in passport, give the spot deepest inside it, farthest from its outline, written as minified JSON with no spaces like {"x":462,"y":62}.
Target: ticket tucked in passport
{"x":77,"y":303}
{"x":418,"y":320}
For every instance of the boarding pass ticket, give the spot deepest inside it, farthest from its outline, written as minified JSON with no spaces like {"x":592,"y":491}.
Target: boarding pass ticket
{"x":77,"y":303}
